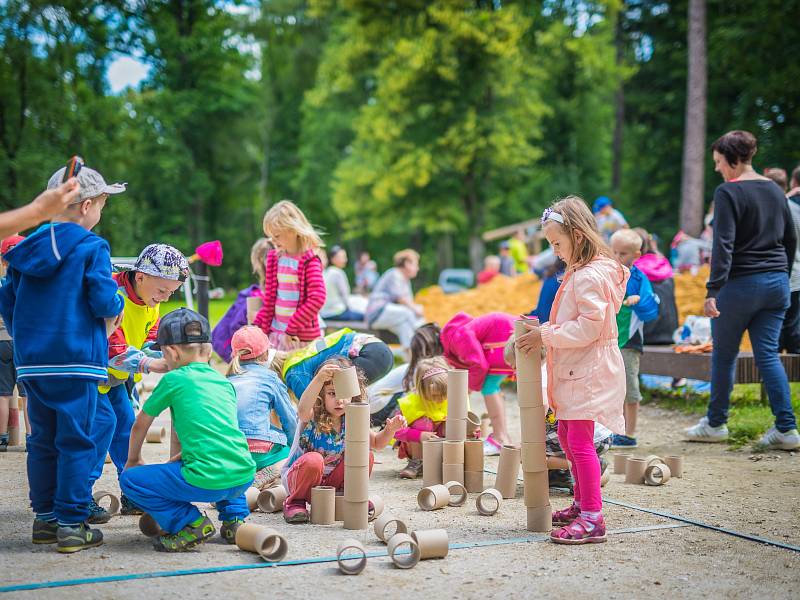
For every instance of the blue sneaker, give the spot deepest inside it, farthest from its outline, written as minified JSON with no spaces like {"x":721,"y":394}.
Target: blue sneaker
{"x":623,"y":441}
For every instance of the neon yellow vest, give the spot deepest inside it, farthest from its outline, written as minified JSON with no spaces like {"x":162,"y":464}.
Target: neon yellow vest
{"x":313,"y":349}
{"x":414,"y":407}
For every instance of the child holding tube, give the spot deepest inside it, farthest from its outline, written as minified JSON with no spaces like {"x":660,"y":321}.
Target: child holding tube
{"x":317,"y":454}
{"x":586,"y":374}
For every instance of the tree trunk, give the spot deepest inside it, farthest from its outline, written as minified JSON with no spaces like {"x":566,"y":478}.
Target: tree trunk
{"x":694,"y":139}
{"x":444,"y":251}
{"x":619,"y":108}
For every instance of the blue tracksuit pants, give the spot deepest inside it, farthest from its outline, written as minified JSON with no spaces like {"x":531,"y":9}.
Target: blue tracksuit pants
{"x":111,"y":430}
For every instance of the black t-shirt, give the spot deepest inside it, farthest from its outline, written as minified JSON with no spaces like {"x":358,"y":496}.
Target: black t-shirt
{"x":753,"y":232}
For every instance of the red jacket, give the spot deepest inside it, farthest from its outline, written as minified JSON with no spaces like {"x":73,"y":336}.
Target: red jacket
{"x":304,"y":323}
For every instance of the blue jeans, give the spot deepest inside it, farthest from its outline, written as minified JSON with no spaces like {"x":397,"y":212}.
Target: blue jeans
{"x":111,"y":430}
{"x":756,"y":303}
{"x":347,"y":315}
{"x":61,"y":449}
{"x":163,"y":493}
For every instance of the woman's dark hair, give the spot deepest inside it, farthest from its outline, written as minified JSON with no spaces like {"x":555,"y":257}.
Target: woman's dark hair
{"x":333,"y":251}
{"x":736,"y":146}
{"x":425,"y":344}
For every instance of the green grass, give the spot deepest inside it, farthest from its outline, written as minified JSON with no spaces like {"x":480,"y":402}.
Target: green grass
{"x":216,"y":308}
{"x":749,"y":416}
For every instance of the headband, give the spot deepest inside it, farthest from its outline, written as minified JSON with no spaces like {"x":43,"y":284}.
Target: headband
{"x":550,"y":215}
{"x":433,"y":372}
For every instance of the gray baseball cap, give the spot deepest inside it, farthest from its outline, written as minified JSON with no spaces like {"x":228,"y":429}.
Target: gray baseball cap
{"x":92,"y":183}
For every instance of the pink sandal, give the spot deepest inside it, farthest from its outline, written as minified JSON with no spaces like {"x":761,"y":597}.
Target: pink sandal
{"x":295,"y":512}
{"x":581,"y":531}
{"x":566,"y":516}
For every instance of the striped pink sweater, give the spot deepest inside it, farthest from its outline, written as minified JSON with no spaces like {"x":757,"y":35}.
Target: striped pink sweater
{"x":304,"y":323}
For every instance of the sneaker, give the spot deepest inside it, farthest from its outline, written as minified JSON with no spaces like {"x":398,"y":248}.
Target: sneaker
{"x":775,"y":440}
{"x":128,"y":508}
{"x":561,"y":479}
{"x":413,"y":469}
{"x":228,"y":530}
{"x":77,"y":538}
{"x":491,"y":447}
{"x":45,"y":532}
{"x":582,"y":530}
{"x":623,"y":441}
{"x":295,"y":512}
{"x":566,"y":516}
{"x":4,"y":445}
{"x":703,"y":432}
{"x":97,"y":514}
{"x":193,"y":534}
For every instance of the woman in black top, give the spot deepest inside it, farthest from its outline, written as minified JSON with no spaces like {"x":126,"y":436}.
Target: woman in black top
{"x":748,"y":290}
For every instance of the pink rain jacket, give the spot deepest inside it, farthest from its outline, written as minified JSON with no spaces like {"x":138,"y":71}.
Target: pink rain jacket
{"x":476,"y":344}
{"x":585,"y":373}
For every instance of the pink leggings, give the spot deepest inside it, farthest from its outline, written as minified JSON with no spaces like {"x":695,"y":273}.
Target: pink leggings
{"x":577,"y":440}
{"x":307,"y":472}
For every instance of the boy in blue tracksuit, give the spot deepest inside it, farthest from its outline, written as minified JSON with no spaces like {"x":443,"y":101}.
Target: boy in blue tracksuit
{"x":639,"y":307}
{"x":57,"y":301}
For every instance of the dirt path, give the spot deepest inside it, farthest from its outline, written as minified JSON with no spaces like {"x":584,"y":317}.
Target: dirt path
{"x":757,"y":494}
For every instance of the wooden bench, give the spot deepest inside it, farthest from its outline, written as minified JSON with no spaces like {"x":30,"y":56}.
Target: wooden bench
{"x":382,"y":334}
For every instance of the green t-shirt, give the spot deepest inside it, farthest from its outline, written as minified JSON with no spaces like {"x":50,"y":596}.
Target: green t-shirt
{"x":203,"y":407}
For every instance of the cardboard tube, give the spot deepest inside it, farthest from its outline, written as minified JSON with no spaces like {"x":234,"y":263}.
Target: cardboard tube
{"x":351,"y":556}
{"x":356,"y":484}
{"x":473,"y":455}
{"x":473,"y":421}
{"x":488,"y":502}
{"x":113,"y":501}
{"x":254,"y":304}
{"x":356,"y":514}
{"x":558,"y":462}
{"x":531,"y":420}
{"x":605,"y":478}
{"x":458,"y":493}
{"x":251,"y":495}
{"x":620,"y":460}
{"x":457,"y":394}
{"x":453,"y":452}
{"x":473,"y":481}
{"x":265,"y":542}
{"x":653,"y":459}
{"x":403,"y":551}
{"x":529,"y":394}
{"x":356,"y":423}
{"x":356,"y":454}
{"x":634,"y":470}
{"x":453,"y":473}
{"x":433,"y":498}
{"x":271,"y":499}
{"x":540,"y":518}
{"x":433,"y":543}
{"x":383,"y":523}
{"x":338,"y":508}
{"x":156,"y":434}
{"x":529,"y":367}
{"x":455,"y":429}
{"x":375,"y":508}
{"x":507,"y":471}
{"x":148,"y":526}
{"x":533,"y":457}
{"x":675,"y":464}
{"x":432,"y":462}
{"x":657,"y":474}
{"x":537,"y":489}
{"x":345,"y":383}
{"x":323,"y":505}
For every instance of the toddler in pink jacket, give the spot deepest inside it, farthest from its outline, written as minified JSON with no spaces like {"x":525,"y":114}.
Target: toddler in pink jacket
{"x":586,"y":376}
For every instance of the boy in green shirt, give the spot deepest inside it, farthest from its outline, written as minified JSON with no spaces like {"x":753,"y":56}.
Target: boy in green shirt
{"x":213,"y":463}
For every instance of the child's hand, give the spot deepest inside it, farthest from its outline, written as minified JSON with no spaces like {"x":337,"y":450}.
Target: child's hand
{"x":631,"y":300}
{"x":395,"y":423}
{"x":427,"y":435}
{"x":137,"y":462}
{"x":51,"y":203}
{"x":157,"y":365}
{"x":113,"y":323}
{"x":531,"y":340}
{"x":294,"y":339}
{"x":325,"y":374}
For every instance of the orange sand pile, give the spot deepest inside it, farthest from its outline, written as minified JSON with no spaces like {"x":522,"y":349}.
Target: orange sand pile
{"x":690,"y":293}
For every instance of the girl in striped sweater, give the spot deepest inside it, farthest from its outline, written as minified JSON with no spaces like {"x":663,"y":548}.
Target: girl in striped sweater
{"x":294,"y":290}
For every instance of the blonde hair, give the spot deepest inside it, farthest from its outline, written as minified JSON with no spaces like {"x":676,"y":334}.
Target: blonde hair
{"x":403,"y":256}
{"x":579,"y":219}
{"x":258,"y":259}
{"x":235,"y":366}
{"x":432,"y":389}
{"x":322,"y":418}
{"x":286,"y":216}
{"x":629,"y":238}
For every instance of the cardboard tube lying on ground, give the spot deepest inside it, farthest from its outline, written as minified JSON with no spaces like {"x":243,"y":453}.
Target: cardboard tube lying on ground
{"x":675,"y":464}
{"x":653,"y":459}
{"x":271,"y":499}
{"x":473,"y":481}
{"x":382,"y":524}
{"x":620,"y":462}
{"x":458,"y":493}
{"x":657,"y":475}
{"x":507,"y":471}
{"x":251,"y":496}
{"x":488,"y":502}
{"x":433,"y":497}
{"x":432,"y":462}
{"x":156,"y":434}
{"x":375,"y":508}
{"x":345,"y":383}
{"x":113,"y":501}
{"x":634,"y":470}
{"x":351,"y":556}
{"x":323,"y":505}
{"x":403,"y":551}
{"x":266,"y":542}
{"x":558,"y":462}
{"x":433,"y":543}
{"x":148,"y":526}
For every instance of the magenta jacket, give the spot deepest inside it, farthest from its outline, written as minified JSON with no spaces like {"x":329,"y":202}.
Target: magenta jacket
{"x":476,"y":344}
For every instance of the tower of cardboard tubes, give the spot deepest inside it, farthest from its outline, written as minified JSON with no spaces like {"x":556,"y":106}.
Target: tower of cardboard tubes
{"x":532,"y":415}
{"x":455,"y":426}
{"x":356,"y":450}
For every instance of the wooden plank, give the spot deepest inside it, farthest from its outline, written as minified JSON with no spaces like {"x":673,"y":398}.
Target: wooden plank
{"x":509,"y":230}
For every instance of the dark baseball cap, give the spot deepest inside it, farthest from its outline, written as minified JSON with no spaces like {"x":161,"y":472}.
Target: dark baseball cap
{"x":183,"y":326}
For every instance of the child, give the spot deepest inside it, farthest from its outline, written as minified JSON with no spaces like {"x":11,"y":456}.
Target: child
{"x":639,"y":307}
{"x":294,"y":290}
{"x":518,"y":251}
{"x":506,"y":262}
{"x":491,"y":269}
{"x":585,"y":372}
{"x":9,"y":412}
{"x":57,"y":293}
{"x":158,"y":272}
{"x":259,"y":391}
{"x":476,"y":344}
{"x":607,"y":218}
{"x":212,"y":464}
{"x":318,"y":449}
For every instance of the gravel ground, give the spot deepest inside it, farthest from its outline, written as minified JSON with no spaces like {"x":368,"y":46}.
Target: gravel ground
{"x":751,"y":493}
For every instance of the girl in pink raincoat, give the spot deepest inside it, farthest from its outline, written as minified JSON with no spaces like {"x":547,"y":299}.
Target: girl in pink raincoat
{"x":586,"y":376}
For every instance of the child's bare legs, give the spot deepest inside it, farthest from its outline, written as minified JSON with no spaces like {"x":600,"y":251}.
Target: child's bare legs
{"x":414,"y":450}
{"x":24,"y":400}
{"x":4,"y":414}
{"x":631,"y":417}
{"x":495,"y":407}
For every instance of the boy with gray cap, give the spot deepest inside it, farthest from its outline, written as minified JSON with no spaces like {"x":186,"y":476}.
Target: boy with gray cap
{"x":55,"y":302}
